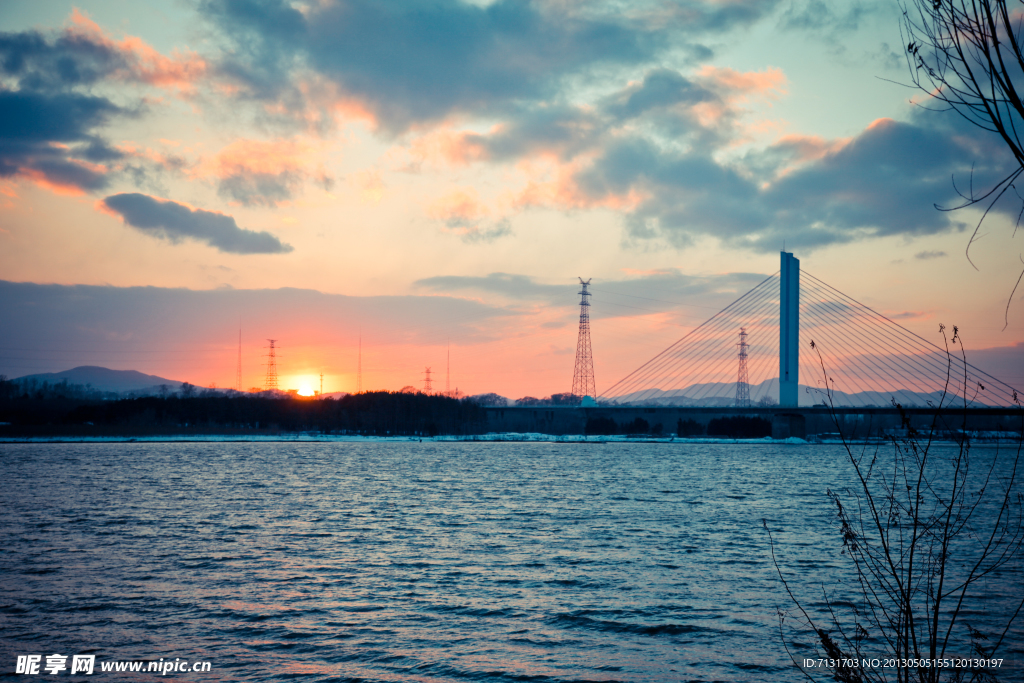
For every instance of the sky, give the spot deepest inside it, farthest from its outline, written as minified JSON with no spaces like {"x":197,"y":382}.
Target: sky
{"x":427,"y":179}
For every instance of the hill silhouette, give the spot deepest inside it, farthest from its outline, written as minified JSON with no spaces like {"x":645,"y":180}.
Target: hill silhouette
{"x":105,"y":379}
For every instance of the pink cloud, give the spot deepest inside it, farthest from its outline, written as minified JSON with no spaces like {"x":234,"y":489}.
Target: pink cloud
{"x":551,"y":183}
{"x":53,"y":182}
{"x":736,"y":89}
{"x":769,"y":83}
{"x":462,"y":213}
{"x":167,"y":161}
{"x":460,"y":205}
{"x":321,"y":105}
{"x":445,"y":146}
{"x":264,"y":172}
{"x":881,"y":124}
{"x":258,"y":156}
{"x":806,"y":148}
{"x":799,"y":150}
{"x":179,"y":72}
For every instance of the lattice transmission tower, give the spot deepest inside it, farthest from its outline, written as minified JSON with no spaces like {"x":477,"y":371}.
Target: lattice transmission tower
{"x":742,"y":385}
{"x":427,"y":386}
{"x":270,"y":384}
{"x":238,"y":374}
{"x":583,"y":374}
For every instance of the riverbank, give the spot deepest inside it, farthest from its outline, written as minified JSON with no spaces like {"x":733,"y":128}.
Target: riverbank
{"x":534,"y":437}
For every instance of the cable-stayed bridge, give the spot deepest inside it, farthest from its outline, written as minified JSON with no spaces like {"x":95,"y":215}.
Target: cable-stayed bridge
{"x":754,"y":360}
{"x":869,"y":359}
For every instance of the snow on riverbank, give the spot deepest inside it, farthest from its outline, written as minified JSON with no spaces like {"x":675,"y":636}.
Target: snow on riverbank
{"x":344,"y":438}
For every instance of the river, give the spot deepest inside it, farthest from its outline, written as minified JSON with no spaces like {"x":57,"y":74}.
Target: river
{"x":434,"y":561}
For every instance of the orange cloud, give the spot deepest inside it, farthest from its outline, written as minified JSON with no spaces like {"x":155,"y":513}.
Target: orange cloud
{"x":258,"y":156}
{"x":807,"y":148}
{"x":167,"y":161}
{"x":323,"y":104}
{"x":463,"y":214}
{"x":55,"y":185}
{"x":351,"y":109}
{"x":803,"y":149}
{"x":735,"y":88}
{"x":263,"y":172}
{"x":556,"y":186}
{"x":8,"y":191}
{"x":447,"y":146}
{"x":460,"y":206}
{"x":101,"y":206}
{"x":179,"y":72}
{"x":769,"y":83}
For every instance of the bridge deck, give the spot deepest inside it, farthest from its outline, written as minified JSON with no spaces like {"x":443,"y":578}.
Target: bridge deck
{"x":803,"y":421}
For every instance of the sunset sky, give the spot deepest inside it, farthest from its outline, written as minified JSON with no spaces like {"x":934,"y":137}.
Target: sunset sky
{"x":435,"y":173}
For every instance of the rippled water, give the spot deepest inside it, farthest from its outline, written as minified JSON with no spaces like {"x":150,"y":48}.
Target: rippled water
{"x":414,"y":561}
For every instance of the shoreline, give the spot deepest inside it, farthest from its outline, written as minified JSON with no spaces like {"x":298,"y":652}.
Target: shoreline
{"x":504,"y":437}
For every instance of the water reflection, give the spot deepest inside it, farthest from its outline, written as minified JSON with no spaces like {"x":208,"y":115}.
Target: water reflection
{"x":415,"y":562}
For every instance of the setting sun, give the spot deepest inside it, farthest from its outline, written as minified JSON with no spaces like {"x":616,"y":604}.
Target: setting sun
{"x":306,"y":390}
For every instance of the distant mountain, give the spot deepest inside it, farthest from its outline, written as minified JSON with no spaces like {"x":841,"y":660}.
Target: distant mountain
{"x":105,"y":379}
{"x":724,"y":394}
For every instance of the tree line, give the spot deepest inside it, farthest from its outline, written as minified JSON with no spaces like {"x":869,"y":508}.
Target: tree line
{"x":380,"y":413}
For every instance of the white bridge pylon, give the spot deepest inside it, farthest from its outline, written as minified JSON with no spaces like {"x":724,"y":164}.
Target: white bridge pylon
{"x":869,"y":360}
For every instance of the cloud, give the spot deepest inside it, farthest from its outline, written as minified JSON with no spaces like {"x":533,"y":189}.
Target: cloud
{"x":928,"y":255}
{"x":909,"y":315}
{"x":656,"y":152}
{"x":557,"y":145}
{"x":885,"y":181}
{"x":701,"y":110}
{"x":477,"y":234}
{"x":522,"y":287}
{"x":259,"y":189}
{"x":103,"y":325}
{"x":560,"y":130}
{"x":660,"y":291}
{"x":1003,"y":362}
{"x":48,"y":125}
{"x":413,"y":62}
{"x":418,"y":61}
{"x":135,"y":61}
{"x":49,"y":137}
{"x":574,"y":95}
{"x":57,"y":62}
{"x":82,"y":55}
{"x":260,"y":173}
{"x":817,"y":17}
{"x":465,"y":215}
{"x":176,"y":222}
{"x":660,"y":88}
